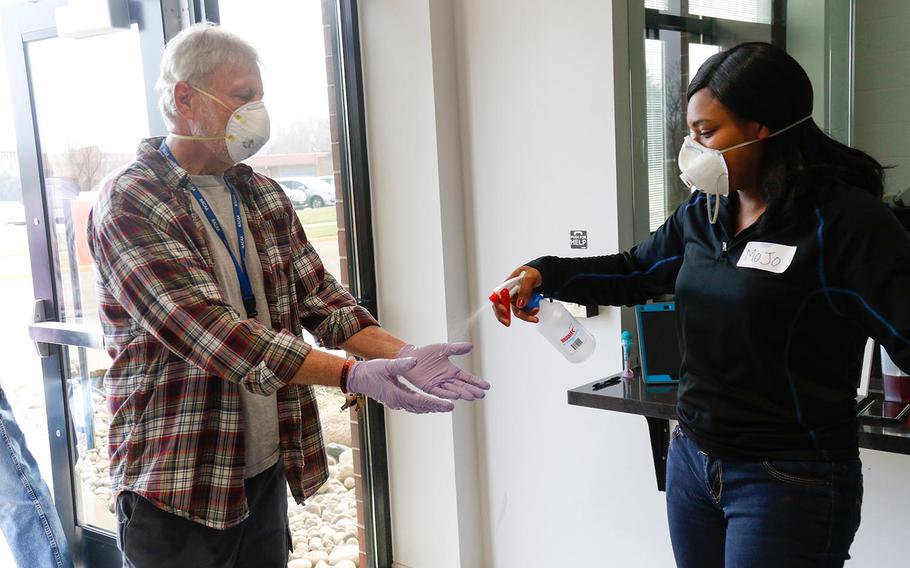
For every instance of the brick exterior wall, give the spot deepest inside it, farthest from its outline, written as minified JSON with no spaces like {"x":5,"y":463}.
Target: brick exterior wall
{"x":328,"y":18}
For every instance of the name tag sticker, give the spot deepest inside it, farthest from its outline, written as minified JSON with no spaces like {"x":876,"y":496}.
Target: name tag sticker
{"x":770,"y":257}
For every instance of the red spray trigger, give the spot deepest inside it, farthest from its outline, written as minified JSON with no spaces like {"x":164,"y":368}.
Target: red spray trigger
{"x":502,"y":295}
{"x":506,"y":302}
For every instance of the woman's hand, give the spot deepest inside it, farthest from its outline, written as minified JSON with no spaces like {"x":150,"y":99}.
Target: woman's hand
{"x":532,"y":280}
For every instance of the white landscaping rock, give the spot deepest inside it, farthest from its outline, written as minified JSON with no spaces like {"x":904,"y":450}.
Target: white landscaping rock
{"x":316,"y":556}
{"x":300,"y":563}
{"x":346,"y":552}
{"x":345,"y":564}
{"x":345,"y":471}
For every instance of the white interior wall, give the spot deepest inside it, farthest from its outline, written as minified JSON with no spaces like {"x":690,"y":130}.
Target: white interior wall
{"x":492,"y":134}
{"x":536,"y":136}
{"x":404,"y":171}
{"x":565,"y":485}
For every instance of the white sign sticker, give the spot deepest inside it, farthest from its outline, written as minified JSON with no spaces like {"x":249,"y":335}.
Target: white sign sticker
{"x":770,"y":257}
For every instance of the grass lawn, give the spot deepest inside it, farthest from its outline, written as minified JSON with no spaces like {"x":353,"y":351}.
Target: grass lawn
{"x":318,"y":223}
{"x":321,"y":215}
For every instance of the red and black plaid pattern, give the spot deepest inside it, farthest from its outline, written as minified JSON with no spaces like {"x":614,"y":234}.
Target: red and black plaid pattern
{"x":181,"y":353}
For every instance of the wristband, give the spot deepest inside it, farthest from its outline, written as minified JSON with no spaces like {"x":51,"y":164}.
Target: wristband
{"x":345,"y":369}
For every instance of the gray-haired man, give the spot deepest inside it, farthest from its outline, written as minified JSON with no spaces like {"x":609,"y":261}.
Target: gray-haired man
{"x":206,"y":279}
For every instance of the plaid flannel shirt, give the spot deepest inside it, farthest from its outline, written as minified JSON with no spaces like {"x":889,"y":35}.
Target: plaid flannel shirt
{"x":181,"y":353}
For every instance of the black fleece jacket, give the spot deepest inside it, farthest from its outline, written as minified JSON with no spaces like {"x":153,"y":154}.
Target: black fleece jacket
{"x":770,"y":358}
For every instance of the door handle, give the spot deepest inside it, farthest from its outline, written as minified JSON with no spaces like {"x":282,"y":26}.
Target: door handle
{"x":45,"y":332}
{"x":39,"y":314}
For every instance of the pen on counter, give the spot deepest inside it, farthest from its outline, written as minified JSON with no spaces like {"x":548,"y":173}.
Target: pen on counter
{"x":606,"y":383}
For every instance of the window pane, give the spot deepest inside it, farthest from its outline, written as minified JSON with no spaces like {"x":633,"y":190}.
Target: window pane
{"x":299,"y":153}
{"x":665,"y":92}
{"x":656,"y":4}
{"x":20,"y":374}
{"x":85,"y":134}
{"x":674,"y":49}
{"x":755,"y":11}
{"x":79,"y":149}
{"x":654,"y":74}
{"x":698,"y":53}
{"x":84,"y":375}
{"x":303,"y":156}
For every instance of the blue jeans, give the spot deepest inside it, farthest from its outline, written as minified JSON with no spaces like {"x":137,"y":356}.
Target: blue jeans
{"x":27,"y":514}
{"x":758,"y":514}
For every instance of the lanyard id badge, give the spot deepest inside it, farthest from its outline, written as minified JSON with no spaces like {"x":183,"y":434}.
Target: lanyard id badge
{"x":246,"y":288}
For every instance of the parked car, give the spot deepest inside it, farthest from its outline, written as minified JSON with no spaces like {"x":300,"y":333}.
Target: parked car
{"x":298,"y":197}
{"x":318,"y":193}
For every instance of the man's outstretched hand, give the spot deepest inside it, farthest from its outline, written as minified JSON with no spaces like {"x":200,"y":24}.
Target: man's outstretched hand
{"x":435,"y":374}
{"x":378,"y":379}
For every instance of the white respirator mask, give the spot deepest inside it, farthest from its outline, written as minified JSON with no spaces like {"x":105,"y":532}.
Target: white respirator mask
{"x":246,"y":132}
{"x":704,"y":169}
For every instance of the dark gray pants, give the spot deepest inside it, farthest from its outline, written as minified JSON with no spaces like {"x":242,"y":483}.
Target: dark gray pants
{"x":151,"y":538}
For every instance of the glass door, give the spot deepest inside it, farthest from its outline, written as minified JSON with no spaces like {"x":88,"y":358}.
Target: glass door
{"x":311,"y":75}
{"x":81,"y":107}
{"x":301,"y":156}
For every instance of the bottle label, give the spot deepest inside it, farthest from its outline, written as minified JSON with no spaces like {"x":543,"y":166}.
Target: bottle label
{"x":569,"y":335}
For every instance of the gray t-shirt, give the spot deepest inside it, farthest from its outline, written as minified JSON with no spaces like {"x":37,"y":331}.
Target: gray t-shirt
{"x":260,"y":413}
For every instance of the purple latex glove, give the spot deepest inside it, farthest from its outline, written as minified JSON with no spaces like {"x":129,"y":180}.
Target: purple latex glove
{"x":378,"y":379}
{"x":436,"y":375}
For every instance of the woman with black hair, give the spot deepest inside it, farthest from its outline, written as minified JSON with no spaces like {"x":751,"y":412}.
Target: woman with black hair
{"x":782,"y":264}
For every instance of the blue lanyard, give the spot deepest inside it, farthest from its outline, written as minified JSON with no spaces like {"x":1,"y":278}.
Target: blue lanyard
{"x":246,"y":289}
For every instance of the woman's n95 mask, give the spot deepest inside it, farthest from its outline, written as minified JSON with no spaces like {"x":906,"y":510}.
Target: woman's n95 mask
{"x":246,"y":132}
{"x":704,"y":169}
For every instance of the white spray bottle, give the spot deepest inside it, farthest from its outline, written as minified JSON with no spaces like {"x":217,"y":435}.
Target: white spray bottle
{"x":557,"y":325}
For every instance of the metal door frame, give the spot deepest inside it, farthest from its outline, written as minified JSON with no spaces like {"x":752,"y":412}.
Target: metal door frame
{"x":22,"y":25}
{"x":158,"y":21}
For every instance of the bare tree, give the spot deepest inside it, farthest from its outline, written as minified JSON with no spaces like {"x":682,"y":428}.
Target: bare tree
{"x":86,"y":165}
{"x":675,"y":129}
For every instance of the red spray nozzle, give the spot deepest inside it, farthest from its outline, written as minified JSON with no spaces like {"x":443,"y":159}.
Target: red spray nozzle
{"x":503,"y":299}
{"x":502,"y":295}
{"x":506,"y":302}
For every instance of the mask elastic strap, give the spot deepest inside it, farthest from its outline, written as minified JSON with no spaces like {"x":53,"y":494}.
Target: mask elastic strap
{"x":228,"y":137}
{"x":185,"y":137}
{"x":712,"y":219}
{"x":794,"y":125}
{"x":213,"y":97}
{"x":237,"y":116}
{"x":772,"y":135}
